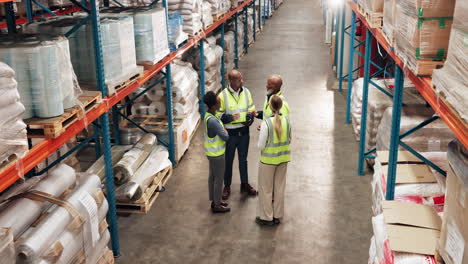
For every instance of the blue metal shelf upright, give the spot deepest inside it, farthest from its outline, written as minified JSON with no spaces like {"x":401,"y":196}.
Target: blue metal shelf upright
{"x":397,"y":96}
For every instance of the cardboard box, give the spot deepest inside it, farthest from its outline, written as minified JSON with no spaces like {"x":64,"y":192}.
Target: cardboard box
{"x":411,"y":228}
{"x":453,"y":244}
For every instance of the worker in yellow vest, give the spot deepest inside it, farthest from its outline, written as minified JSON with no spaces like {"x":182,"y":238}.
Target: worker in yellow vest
{"x":237,"y":112}
{"x":274,"y":143}
{"x":273,"y":86}
{"x":215,"y":147}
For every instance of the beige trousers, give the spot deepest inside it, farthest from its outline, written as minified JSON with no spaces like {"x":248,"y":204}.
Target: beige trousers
{"x":271,"y":179}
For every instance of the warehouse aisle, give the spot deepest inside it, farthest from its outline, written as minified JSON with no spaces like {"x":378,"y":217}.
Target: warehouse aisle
{"x":327,"y":207}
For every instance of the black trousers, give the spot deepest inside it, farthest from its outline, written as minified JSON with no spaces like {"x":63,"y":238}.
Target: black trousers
{"x":238,"y":139}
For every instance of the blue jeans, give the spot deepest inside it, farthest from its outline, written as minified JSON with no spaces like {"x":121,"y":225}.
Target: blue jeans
{"x":238,"y":139}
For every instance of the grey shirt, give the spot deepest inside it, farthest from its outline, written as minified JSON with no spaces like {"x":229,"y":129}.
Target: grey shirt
{"x":215,"y":128}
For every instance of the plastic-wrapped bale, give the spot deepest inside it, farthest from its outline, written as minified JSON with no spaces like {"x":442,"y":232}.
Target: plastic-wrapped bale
{"x":55,"y":183}
{"x":133,"y":158}
{"x":432,"y":137}
{"x":219,"y":7}
{"x":13,"y":139}
{"x":98,"y":167}
{"x":81,"y":218}
{"x":428,"y":8}
{"x":415,"y":181}
{"x":419,"y":38}
{"x":119,"y":56}
{"x":229,"y":49}
{"x":44,"y":91}
{"x":157,"y":160}
{"x":191,"y":11}
{"x":149,"y":25}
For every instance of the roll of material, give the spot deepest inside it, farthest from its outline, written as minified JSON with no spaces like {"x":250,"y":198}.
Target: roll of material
{"x":132,"y":159}
{"x":157,"y":108}
{"x":140,"y":109}
{"x":98,"y":167}
{"x":100,"y":247}
{"x":69,"y":243}
{"x":41,"y":88}
{"x":130,"y":136}
{"x":55,"y":183}
{"x":134,"y":189}
{"x":33,"y":244}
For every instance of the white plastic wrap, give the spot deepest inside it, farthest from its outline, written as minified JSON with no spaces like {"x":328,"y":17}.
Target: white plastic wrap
{"x":458,"y":158}
{"x":428,"y":8}
{"x":191,"y":11}
{"x":389,"y":15}
{"x":34,"y":243}
{"x":57,"y":181}
{"x":207,"y":16}
{"x":44,"y":91}
{"x":157,"y":160}
{"x":432,"y":137}
{"x":133,"y":158}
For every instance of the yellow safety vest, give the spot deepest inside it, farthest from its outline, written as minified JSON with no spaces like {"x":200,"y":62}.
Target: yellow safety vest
{"x":267,"y":111}
{"x":214,"y":147}
{"x":232,"y":105}
{"x":277,"y":150}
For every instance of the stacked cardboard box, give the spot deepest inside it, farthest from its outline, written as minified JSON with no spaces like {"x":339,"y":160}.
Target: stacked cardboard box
{"x":422,"y":32}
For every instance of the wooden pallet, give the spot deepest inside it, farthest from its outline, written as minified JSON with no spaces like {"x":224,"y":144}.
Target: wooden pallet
{"x":107,"y":257}
{"x":217,"y":17}
{"x":125,"y":81}
{"x":155,"y":124}
{"x":424,"y":67}
{"x":55,"y":126}
{"x":144,"y":204}
{"x":374,"y":19}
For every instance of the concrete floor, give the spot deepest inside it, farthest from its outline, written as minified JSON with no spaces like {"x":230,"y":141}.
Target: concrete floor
{"x":327,"y":214}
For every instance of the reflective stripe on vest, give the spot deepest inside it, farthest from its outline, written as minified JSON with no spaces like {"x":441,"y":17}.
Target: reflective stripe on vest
{"x":214,"y":147}
{"x":277,"y":150}
{"x":267,"y":110}
{"x":233,"y":106}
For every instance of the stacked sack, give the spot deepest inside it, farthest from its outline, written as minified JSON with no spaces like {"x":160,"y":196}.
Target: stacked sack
{"x":49,"y":231}
{"x":118,"y":50}
{"x":184,"y":93}
{"x":378,"y":102}
{"x":219,"y":7}
{"x":422,"y":31}
{"x":13,"y":139}
{"x":213,"y":55}
{"x":207,"y":15}
{"x":191,"y":12}
{"x":451,"y":82}
{"x":46,"y":80}
{"x":229,"y":52}
{"x":149,"y":27}
{"x":240,"y":35}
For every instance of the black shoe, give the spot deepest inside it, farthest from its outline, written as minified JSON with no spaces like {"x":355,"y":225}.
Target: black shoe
{"x":260,"y":221}
{"x":276,"y":221}
{"x":247,"y":188}
{"x":220,"y":209}
{"x":226,"y":192}
{"x":222,"y":203}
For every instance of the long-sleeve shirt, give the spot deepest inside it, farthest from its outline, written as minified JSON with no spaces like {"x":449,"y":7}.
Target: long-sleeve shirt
{"x":215,"y":129}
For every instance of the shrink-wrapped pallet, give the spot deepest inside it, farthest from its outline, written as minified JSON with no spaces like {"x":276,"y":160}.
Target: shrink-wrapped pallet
{"x":432,"y":137}
{"x":149,"y":25}
{"x":118,"y":50}
{"x":133,"y":158}
{"x":219,"y":7}
{"x":44,"y":91}
{"x":207,"y":15}
{"x":157,"y":160}
{"x":176,"y":34}
{"x":389,"y":15}
{"x":419,"y":38}
{"x":428,"y":8}
{"x":191,"y":11}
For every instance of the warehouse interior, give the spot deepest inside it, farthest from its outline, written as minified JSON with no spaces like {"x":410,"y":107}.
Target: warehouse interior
{"x":118,"y":119}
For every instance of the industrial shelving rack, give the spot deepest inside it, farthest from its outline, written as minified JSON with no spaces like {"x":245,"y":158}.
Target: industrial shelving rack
{"x":99,"y":116}
{"x":423,"y":84}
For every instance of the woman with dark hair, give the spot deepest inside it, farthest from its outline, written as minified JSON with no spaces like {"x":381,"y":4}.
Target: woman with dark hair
{"x":274,"y":143}
{"x":215,"y":147}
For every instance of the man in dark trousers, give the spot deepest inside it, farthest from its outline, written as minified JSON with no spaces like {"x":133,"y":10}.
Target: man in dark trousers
{"x":237,"y":113}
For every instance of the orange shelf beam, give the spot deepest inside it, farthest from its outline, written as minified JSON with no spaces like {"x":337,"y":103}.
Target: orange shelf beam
{"x":21,"y":21}
{"x":423,"y":85}
{"x":48,"y":146}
